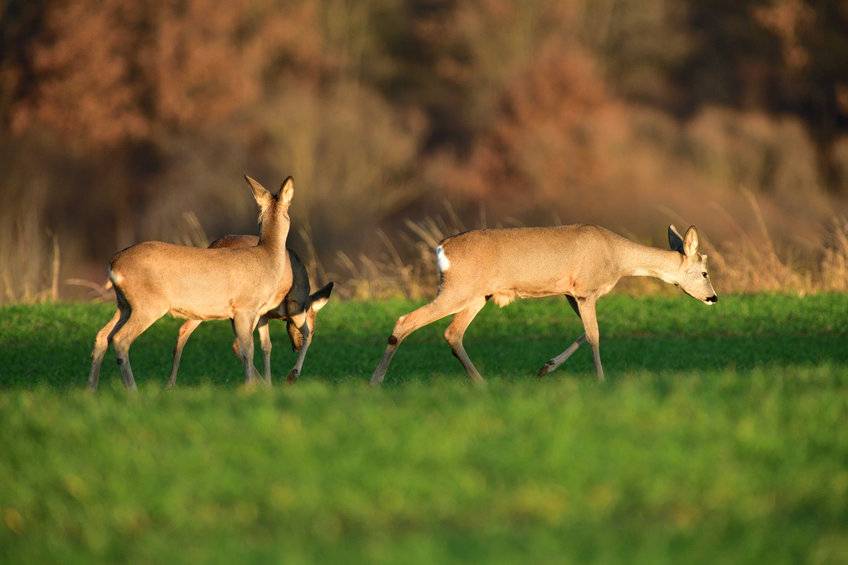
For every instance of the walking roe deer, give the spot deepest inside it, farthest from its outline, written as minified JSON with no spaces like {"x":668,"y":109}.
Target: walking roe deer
{"x":153,"y":278}
{"x":582,"y":262}
{"x":299,"y":310}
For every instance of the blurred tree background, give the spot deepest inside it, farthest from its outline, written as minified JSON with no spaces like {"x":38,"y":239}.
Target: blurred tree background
{"x":120,"y":120}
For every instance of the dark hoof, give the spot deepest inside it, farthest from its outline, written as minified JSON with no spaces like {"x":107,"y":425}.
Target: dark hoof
{"x":546,"y":368}
{"x":292,"y":378}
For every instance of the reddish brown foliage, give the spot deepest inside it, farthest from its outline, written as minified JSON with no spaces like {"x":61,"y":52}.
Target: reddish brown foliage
{"x":110,"y":71}
{"x":549,"y":135}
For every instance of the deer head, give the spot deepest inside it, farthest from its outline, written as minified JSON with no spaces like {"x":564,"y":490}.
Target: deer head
{"x":692,"y":276}
{"x":301,"y":326}
{"x":273,"y":209}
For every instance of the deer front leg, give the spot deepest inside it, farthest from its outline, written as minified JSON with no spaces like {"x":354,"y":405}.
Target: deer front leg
{"x":243,"y":324}
{"x":265,"y":341}
{"x":563,"y":357}
{"x":554,"y":363}
{"x":301,"y":357}
{"x":237,"y":352}
{"x":593,"y":335}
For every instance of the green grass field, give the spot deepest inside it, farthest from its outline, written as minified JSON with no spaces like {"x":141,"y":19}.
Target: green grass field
{"x":721,"y":435}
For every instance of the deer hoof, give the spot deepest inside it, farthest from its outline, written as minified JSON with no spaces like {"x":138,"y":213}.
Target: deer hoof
{"x":292,"y":378}
{"x":479,"y":382}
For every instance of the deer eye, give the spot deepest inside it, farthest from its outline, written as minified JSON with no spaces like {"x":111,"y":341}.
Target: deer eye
{"x":704,"y":274}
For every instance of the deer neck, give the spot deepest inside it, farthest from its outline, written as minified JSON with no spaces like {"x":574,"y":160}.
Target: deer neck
{"x":643,"y":261}
{"x":273,"y":235}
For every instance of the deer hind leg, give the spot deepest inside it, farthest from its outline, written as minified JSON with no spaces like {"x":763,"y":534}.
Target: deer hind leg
{"x":243,"y":325}
{"x":455,"y":332}
{"x":182,"y":337}
{"x":265,"y":342}
{"x":101,"y":344}
{"x":139,"y":320}
{"x":427,"y":314}
{"x":593,"y":335}
{"x":555,"y":362}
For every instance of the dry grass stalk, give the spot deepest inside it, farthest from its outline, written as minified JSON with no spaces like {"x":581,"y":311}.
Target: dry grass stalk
{"x":751,"y":261}
{"x":30,"y":256}
{"x":834,"y":264}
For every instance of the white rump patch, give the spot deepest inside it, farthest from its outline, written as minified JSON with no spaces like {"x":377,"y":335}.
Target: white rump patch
{"x":442,"y":260}
{"x":116,"y":278}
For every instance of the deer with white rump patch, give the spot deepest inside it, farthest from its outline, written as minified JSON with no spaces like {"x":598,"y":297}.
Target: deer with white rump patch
{"x":582,"y":262}
{"x":152,"y":279}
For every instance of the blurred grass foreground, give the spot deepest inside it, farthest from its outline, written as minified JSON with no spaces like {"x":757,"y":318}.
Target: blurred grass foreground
{"x":719,"y":437}
{"x":129,"y":121}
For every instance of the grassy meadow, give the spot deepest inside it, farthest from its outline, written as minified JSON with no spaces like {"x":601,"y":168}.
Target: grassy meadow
{"x":719,"y":436}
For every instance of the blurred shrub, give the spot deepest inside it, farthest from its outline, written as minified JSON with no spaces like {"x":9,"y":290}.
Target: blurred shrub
{"x":353,"y":157}
{"x":771,"y":156}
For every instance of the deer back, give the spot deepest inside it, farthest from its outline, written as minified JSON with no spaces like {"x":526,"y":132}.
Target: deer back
{"x":531,"y":261}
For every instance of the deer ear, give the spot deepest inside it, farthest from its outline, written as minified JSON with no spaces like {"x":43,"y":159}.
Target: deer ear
{"x":319,"y":299}
{"x":675,"y":240}
{"x":690,"y":242}
{"x":262,"y":196}
{"x":286,"y":191}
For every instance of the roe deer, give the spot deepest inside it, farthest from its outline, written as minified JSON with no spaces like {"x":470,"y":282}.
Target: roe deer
{"x":583,"y":262}
{"x":299,"y":309}
{"x":152,"y":279}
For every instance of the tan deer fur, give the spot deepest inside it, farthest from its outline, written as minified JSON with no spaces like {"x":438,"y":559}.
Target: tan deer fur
{"x":299,"y":309}
{"x":152,"y":279}
{"x":582,"y":262}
